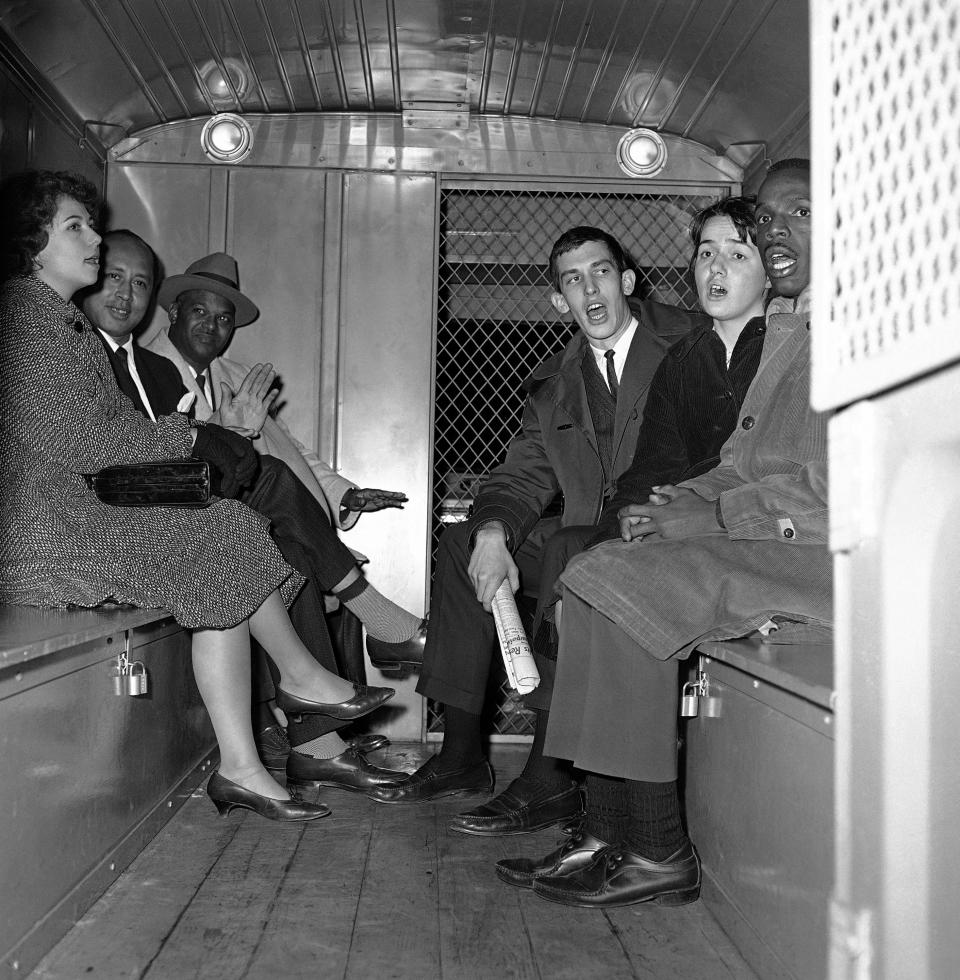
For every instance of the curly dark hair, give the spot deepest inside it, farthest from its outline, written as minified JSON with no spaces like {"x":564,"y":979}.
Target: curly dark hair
{"x":28,"y":203}
{"x":576,"y":237}
{"x":738,"y":209}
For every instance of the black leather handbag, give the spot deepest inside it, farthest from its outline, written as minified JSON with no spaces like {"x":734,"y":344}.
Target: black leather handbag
{"x":165,"y":483}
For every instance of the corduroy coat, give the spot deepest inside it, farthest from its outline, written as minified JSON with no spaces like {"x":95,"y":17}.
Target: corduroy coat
{"x":772,"y":562}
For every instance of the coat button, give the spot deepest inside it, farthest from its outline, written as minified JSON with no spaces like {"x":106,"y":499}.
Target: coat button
{"x":789,"y":532}
{"x":748,"y":423}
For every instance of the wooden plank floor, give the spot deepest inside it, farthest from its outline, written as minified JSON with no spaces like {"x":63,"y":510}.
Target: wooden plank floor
{"x":369,"y":893}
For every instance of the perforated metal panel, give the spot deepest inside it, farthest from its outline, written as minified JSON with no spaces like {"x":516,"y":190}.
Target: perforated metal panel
{"x":496,"y":323}
{"x":886,"y":86}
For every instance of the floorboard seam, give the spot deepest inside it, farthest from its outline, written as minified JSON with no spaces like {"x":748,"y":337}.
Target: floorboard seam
{"x":356,"y":910}
{"x":163,"y":942}
{"x":436,"y":886}
{"x":272,"y":904}
{"x":526,"y":932}
{"x":615,"y":929}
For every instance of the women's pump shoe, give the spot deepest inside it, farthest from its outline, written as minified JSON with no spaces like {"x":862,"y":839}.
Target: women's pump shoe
{"x":226,"y":795}
{"x":366,"y":699}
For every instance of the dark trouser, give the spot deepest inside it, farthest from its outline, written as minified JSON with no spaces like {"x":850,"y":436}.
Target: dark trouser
{"x":302,"y":532}
{"x":558,"y":549}
{"x":462,"y":640}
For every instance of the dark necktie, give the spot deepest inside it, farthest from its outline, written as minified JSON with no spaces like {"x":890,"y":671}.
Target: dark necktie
{"x":125,"y":381}
{"x":612,"y":375}
{"x":202,"y":385}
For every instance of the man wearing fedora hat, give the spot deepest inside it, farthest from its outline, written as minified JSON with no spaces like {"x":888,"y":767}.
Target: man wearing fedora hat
{"x":300,"y":520}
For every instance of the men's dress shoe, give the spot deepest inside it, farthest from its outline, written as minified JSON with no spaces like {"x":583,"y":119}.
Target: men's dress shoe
{"x":418,"y":788}
{"x":349,"y":770}
{"x":226,"y":795}
{"x":618,"y":877}
{"x":273,"y":747}
{"x":515,"y":812}
{"x":574,"y":854}
{"x":365,"y":700}
{"x":391,"y":657}
{"x":368,"y":742}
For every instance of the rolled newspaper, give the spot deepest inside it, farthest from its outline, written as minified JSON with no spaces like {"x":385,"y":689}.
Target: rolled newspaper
{"x":522,"y":673}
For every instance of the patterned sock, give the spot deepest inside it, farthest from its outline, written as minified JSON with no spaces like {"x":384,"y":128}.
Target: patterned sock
{"x":606,"y":807}
{"x":655,"y":828}
{"x":384,"y":620}
{"x":543,"y":774}
{"x":311,"y":727}
{"x":325,"y":747}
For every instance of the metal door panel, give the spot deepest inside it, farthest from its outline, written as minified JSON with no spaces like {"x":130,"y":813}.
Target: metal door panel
{"x":387,"y":294}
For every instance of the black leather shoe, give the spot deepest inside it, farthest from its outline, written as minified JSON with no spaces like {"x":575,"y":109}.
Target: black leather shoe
{"x":368,"y":742}
{"x":391,"y":657}
{"x":226,"y":795}
{"x":515,"y":812}
{"x":366,"y":699}
{"x":349,"y":770}
{"x":618,"y":877}
{"x":417,"y":788}
{"x":574,"y":854}
{"x":273,"y":747}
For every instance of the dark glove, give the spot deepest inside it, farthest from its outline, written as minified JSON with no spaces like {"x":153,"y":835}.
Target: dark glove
{"x":232,"y":456}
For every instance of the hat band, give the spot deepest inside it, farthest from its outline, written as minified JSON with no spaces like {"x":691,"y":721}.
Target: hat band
{"x":216,"y":278}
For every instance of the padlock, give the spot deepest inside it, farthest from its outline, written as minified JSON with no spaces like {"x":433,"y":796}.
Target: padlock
{"x":119,"y":675}
{"x":689,"y":703}
{"x":137,"y":679}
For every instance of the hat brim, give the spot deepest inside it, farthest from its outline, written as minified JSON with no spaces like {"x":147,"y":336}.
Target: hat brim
{"x":244,"y":311}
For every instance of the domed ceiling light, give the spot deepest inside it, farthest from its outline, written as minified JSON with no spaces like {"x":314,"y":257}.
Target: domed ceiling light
{"x":641,"y":153}
{"x":226,"y":138}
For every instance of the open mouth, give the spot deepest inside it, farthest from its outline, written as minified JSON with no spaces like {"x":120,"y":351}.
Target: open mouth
{"x":717,"y":291}
{"x":118,"y":312}
{"x":596,"y":311}
{"x":780,"y":263}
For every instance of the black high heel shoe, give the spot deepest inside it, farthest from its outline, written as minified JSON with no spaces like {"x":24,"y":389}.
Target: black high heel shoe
{"x":226,"y":795}
{"x":366,"y":699}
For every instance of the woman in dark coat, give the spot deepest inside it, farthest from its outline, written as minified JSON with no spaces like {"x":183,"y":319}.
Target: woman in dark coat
{"x":62,"y":416}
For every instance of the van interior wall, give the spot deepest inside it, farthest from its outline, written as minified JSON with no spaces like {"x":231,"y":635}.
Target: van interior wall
{"x":34,"y":136}
{"x":343,"y":268}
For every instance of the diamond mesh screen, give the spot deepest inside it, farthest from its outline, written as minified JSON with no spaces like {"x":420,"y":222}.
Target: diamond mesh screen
{"x":886,"y":246}
{"x":496,"y":324}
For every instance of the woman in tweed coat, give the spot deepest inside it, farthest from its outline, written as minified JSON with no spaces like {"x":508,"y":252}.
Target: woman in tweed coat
{"x":62,"y":416}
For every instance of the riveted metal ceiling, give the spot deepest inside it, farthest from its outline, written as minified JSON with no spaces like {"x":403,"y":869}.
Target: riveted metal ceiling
{"x":721,"y":72}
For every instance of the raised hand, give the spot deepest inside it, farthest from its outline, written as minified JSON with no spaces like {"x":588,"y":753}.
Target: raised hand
{"x":245,"y":410}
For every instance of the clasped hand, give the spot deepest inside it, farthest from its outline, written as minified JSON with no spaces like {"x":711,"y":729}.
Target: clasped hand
{"x":671,"y":513}
{"x":246,"y":410}
{"x":369,"y":499}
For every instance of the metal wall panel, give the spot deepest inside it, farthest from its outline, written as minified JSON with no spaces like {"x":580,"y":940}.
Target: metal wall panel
{"x":759,"y":807}
{"x":80,"y":767}
{"x":898,"y":675}
{"x":275,"y":231}
{"x":387,"y":291}
{"x":271,"y":221}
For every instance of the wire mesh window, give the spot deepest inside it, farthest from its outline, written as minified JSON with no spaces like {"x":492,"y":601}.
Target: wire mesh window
{"x":495,"y":324}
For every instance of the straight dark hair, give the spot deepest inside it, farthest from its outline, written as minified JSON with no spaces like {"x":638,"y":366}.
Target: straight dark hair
{"x":738,"y":209}
{"x":580,"y":235}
